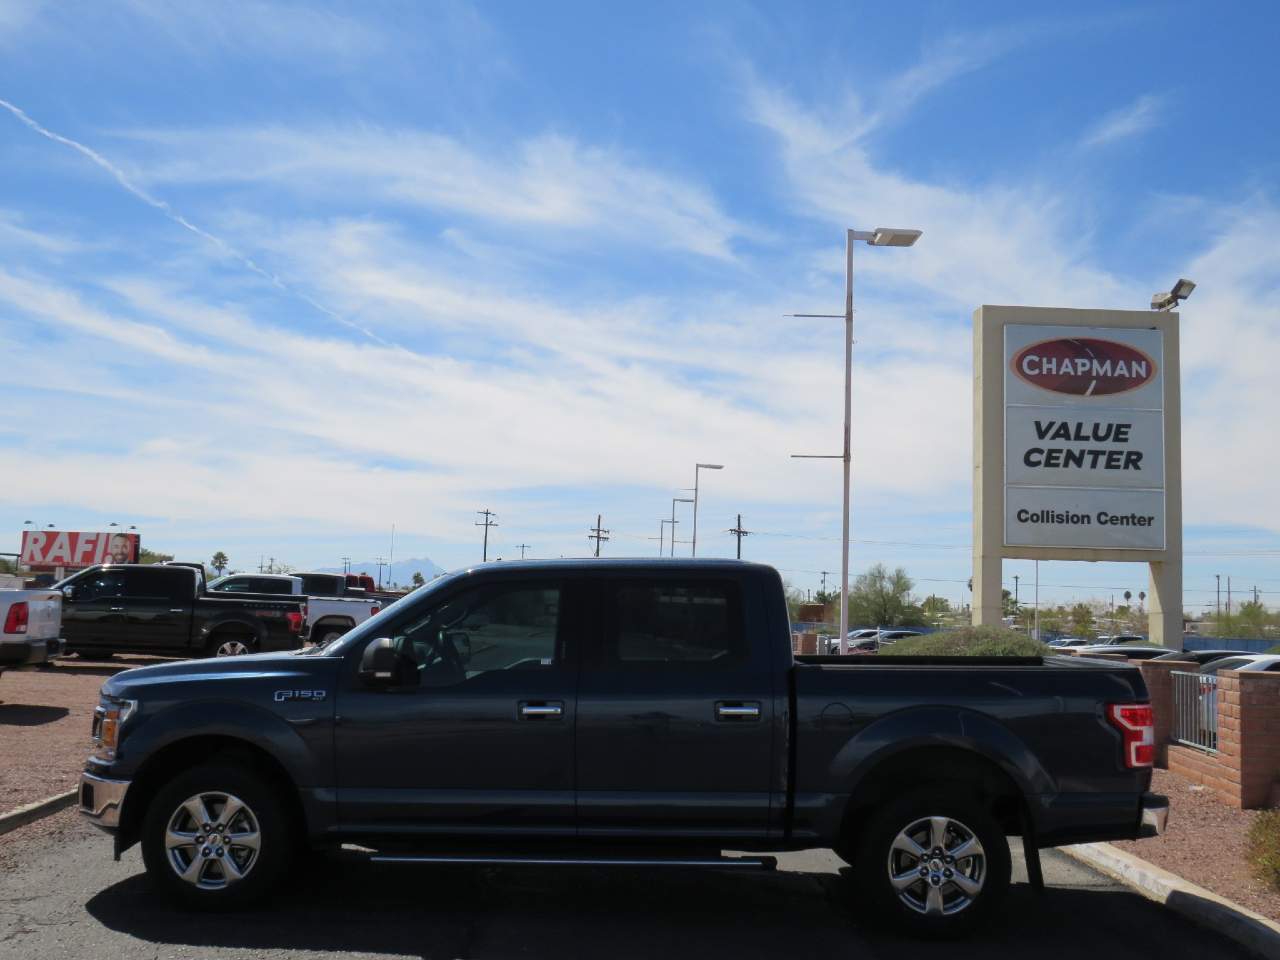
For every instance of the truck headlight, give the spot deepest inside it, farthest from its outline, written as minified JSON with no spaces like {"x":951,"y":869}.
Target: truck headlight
{"x":110,"y":715}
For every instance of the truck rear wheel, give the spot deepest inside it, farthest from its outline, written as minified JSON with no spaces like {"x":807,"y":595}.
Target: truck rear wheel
{"x":217,"y":837}
{"x":935,"y":862}
{"x":231,"y":645}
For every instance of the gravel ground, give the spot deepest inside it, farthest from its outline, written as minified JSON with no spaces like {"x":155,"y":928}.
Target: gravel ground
{"x":45,"y":716}
{"x":1205,"y":843}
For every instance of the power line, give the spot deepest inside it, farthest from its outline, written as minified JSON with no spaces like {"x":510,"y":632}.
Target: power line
{"x":487,"y":514}
{"x":597,"y":534}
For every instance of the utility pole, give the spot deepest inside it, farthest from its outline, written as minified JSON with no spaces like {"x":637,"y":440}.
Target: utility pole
{"x":487,"y":523}
{"x":1228,"y":596}
{"x":1218,"y":609}
{"x":824,"y":580}
{"x":740,"y":533}
{"x":1015,"y":594}
{"x":597,"y":534}
{"x":523,"y":547}
{"x":1255,"y":594}
{"x":346,"y":564}
{"x":381,"y":562}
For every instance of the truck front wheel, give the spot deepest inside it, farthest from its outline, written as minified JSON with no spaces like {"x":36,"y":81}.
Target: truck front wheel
{"x":935,"y":861}
{"x":215,"y":837}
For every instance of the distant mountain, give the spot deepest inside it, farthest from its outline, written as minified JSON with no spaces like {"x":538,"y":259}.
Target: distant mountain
{"x":401,"y":571}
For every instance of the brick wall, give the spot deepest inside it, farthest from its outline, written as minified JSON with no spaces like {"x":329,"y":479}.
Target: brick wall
{"x":1251,"y":701}
{"x":804,"y":643}
{"x":1245,"y":770}
{"x":1160,"y":687}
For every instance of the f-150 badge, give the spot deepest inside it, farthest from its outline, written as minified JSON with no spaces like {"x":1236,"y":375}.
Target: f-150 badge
{"x":315,"y":696}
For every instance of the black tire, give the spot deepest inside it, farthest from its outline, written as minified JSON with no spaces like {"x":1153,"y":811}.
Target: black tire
{"x":914,"y":909}
{"x":326,"y":634}
{"x":219,"y":643}
{"x":214,"y":887}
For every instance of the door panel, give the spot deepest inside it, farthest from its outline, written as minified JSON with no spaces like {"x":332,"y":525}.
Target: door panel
{"x":158,"y":607}
{"x":675,"y":714}
{"x":94,"y":615}
{"x":484,"y":743}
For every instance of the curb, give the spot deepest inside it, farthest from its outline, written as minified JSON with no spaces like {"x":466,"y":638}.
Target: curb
{"x":1251,"y":930}
{"x":36,"y":811}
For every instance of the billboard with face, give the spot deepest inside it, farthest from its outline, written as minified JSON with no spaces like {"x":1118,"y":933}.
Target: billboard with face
{"x":46,"y":550}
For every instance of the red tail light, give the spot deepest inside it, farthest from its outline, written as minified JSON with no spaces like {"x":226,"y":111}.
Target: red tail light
{"x":16,"y":621}
{"x":374,"y":609}
{"x":295,"y":621}
{"x":1137,"y":725}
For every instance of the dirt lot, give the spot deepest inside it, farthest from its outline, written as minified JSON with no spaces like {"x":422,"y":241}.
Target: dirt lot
{"x":1205,"y":843}
{"x":45,"y":716}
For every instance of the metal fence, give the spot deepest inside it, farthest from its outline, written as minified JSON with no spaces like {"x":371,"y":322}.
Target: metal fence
{"x":1195,"y":709}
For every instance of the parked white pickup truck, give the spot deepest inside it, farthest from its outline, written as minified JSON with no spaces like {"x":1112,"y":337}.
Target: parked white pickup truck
{"x":332,"y":608}
{"x":30,"y":625}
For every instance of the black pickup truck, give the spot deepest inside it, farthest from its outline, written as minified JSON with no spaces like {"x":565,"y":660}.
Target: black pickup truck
{"x":163,"y":609}
{"x":618,"y":712}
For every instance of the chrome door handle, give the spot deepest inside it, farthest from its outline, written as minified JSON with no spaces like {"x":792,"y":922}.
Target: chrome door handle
{"x":541,"y":711}
{"x":115,"y":609}
{"x":177,"y":609}
{"x":737,"y":711}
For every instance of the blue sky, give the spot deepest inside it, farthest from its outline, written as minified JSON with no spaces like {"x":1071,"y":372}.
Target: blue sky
{"x":295,"y":274}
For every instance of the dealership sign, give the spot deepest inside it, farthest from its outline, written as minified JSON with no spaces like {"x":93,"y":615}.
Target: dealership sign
{"x":48,"y":550}
{"x":1083,"y":437}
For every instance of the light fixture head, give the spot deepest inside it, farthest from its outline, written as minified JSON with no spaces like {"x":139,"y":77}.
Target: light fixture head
{"x":1162,"y":301}
{"x":893,"y":237}
{"x":1182,"y":289}
{"x":711,"y":466}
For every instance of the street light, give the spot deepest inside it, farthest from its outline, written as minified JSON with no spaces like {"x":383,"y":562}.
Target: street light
{"x":696,"y":467}
{"x":674,"y":501}
{"x":879,"y":237}
{"x":1167,"y":301}
{"x":662,"y":534}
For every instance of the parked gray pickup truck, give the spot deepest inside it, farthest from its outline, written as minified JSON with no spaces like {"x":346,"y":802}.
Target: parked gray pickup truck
{"x":618,"y":712}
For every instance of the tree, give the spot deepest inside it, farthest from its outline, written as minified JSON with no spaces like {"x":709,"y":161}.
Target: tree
{"x":150,"y":556}
{"x":219,"y":562}
{"x":883,"y":598}
{"x":418,"y":579}
{"x":1082,"y":621}
{"x":1008,"y":604}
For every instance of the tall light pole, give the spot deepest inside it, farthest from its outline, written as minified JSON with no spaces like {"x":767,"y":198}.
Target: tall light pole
{"x":880,"y":237}
{"x":662,"y":534}
{"x":696,"y":468}
{"x":674,"y":501}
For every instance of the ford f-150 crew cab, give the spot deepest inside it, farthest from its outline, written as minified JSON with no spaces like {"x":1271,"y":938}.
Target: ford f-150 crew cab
{"x":157,"y":608}
{"x":618,"y":712}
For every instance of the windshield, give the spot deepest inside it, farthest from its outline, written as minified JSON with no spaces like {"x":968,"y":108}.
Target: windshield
{"x":371,"y":627}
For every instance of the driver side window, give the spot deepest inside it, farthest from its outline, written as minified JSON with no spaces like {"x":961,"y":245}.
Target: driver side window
{"x":490,"y":628}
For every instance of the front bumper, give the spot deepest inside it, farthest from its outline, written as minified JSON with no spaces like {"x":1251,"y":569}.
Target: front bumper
{"x":101,"y":800}
{"x":1155,"y":815}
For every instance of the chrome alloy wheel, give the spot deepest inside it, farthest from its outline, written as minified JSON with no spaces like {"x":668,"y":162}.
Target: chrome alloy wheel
{"x":232,"y":648}
{"x":937,"y":866}
{"x":212,"y":840}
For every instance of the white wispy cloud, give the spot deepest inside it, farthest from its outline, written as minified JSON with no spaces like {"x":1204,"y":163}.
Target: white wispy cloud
{"x":1131,"y":120}
{"x":544,"y":181}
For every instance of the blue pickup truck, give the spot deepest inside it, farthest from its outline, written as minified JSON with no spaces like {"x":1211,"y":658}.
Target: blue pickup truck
{"x":618,"y":712}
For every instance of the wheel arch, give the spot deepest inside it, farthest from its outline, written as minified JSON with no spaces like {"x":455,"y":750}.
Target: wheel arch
{"x":233,"y":624}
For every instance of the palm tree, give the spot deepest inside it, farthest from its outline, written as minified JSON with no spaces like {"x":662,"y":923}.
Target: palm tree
{"x":220,"y":562}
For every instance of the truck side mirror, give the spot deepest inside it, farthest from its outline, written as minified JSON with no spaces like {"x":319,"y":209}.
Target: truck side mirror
{"x":68,"y":593}
{"x":383,"y":665}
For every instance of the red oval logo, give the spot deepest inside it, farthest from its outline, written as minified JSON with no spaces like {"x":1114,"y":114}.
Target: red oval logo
{"x":1084,"y":366}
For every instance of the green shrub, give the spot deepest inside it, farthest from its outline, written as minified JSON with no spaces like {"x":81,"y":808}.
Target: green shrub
{"x":1275,"y":649}
{"x":968,"y":642}
{"x":1263,"y":847}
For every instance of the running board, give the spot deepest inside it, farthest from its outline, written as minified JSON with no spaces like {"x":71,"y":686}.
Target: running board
{"x":753,"y":863}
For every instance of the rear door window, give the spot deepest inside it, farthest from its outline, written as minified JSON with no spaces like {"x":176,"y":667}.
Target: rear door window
{"x":657,"y":623}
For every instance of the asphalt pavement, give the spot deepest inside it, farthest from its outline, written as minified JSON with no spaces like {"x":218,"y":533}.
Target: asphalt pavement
{"x":62,"y":896}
